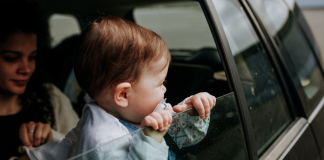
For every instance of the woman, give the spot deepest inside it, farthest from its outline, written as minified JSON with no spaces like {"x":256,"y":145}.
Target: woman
{"x":31,"y":112}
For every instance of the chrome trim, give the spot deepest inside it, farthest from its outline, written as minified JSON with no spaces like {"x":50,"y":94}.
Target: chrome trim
{"x":315,"y":112}
{"x":292,"y":144}
{"x":286,"y":140}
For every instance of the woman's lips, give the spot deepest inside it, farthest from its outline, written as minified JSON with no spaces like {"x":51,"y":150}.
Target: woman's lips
{"x":20,"y":82}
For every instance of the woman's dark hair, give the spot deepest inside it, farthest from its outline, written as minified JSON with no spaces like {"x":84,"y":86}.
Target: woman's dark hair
{"x":20,"y":16}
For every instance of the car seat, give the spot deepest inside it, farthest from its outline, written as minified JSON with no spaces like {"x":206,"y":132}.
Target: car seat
{"x":205,"y":56}
{"x":184,"y":80}
{"x":60,"y":61}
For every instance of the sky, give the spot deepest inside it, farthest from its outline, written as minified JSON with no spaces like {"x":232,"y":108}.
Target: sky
{"x":311,"y":3}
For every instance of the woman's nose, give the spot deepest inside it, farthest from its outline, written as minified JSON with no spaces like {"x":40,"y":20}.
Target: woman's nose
{"x":24,"y":67}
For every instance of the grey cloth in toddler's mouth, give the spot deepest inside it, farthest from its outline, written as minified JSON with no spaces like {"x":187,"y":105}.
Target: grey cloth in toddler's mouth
{"x":161,"y":106}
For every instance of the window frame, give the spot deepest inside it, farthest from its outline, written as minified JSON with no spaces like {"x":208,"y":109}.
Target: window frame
{"x":296,"y":12}
{"x":231,"y":74}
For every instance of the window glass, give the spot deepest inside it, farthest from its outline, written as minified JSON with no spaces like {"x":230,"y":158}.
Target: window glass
{"x":62,"y":26}
{"x":264,"y":96}
{"x":181,"y":25}
{"x":281,"y":25}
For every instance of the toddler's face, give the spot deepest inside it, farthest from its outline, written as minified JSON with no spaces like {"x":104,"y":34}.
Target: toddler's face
{"x":149,"y":91}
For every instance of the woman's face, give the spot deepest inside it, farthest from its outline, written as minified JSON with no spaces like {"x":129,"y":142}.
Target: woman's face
{"x":17,"y":62}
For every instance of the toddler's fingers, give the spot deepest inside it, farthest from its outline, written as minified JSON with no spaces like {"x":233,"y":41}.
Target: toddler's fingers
{"x":165,"y":117}
{"x":210,"y":100}
{"x":207,"y":106}
{"x":150,"y":122}
{"x":159,"y":119}
{"x":182,"y":107}
{"x":199,"y":107}
{"x":170,"y":115}
{"x":214,"y":100}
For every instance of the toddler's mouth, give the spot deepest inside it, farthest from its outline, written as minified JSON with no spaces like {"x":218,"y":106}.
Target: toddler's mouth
{"x":161,"y":106}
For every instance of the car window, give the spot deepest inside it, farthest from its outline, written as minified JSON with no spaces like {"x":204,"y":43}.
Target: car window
{"x":62,"y":26}
{"x":174,"y":23}
{"x":282,"y":26}
{"x":64,"y":31}
{"x":265,"y":100}
{"x":196,"y":67}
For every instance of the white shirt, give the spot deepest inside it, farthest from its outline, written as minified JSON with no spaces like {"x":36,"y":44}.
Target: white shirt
{"x":93,"y":132}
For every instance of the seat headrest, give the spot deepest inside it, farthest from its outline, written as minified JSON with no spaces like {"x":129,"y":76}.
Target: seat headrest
{"x":184,"y":80}
{"x":205,"y":56}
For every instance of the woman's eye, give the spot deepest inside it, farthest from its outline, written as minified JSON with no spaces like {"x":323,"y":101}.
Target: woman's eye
{"x":10,"y":59}
{"x":31,"y":58}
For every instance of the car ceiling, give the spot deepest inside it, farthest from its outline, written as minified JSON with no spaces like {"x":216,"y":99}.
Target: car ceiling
{"x":85,"y":7}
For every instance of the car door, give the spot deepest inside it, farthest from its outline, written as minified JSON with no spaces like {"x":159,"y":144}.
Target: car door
{"x":242,"y":28}
{"x":264,"y":109}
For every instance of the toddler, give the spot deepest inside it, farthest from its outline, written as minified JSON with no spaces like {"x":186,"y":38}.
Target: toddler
{"x":123,"y":67}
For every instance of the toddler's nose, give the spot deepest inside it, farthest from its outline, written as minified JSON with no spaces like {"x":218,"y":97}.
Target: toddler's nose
{"x":164,"y":88}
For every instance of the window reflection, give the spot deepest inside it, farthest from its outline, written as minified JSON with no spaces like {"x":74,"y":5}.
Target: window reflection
{"x":267,"y":106}
{"x":298,"y":54}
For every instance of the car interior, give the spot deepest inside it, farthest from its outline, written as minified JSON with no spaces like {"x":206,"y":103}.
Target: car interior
{"x":192,"y":70}
{"x":195,"y":66}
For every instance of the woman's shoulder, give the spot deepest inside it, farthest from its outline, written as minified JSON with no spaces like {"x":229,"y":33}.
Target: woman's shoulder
{"x":57,"y":97}
{"x":52,"y":89}
{"x":65,"y":116}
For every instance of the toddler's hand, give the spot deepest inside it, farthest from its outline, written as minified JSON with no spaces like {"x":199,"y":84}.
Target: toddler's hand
{"x":202,"y":102}
{"x":157,"y":123}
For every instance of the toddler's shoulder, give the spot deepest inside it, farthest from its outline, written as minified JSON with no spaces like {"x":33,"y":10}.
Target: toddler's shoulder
{"x":99,"y":127}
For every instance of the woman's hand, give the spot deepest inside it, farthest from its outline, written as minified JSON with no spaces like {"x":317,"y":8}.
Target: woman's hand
{"x":157,"y":123}
{"x":34,"y":134}
{"x":202,"y":102}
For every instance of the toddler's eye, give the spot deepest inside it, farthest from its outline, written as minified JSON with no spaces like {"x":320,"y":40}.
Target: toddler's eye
{"x":164,"y":82}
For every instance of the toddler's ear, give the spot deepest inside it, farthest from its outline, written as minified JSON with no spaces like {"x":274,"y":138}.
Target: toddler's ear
{"x":121,"y":94}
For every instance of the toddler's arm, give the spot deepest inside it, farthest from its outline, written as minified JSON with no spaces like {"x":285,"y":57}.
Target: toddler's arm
{"x":148,"y":143}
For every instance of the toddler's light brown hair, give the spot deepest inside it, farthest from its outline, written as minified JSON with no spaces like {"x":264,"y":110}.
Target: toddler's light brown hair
{"x":112,"y":50}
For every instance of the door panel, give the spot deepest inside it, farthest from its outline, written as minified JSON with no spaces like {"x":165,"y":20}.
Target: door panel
{"x":305,"y":148}
{"x":318,"y":129}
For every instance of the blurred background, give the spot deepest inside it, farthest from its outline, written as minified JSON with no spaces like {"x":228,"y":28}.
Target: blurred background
{"x":313,"y":11}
